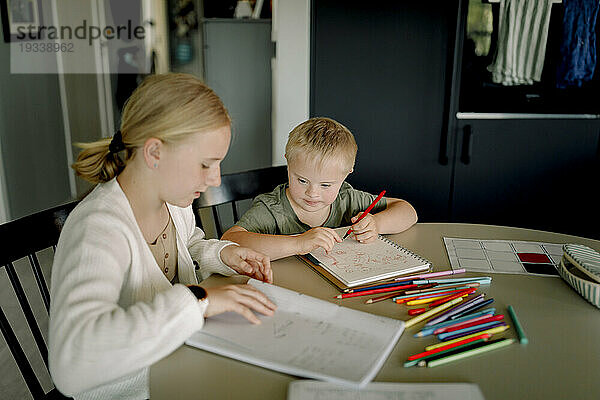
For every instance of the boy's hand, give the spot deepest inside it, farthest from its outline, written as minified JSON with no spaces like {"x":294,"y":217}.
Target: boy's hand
{"x":365,"y":230}
{"x":248,"y":262}
{"x":241,"y":299}
{"x":317,"y":237}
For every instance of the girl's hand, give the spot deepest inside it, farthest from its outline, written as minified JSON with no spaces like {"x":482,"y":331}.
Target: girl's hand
{"x":317,"y":237}
{"x":241,"y":299}
{"x":248,"y":262}
{"x":364,"y":230}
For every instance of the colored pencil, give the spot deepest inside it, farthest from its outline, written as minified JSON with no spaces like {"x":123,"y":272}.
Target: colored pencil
{"x":457,"y":309}
{"x":438,"y":299}
{"x":373,"y":291}
{"x":385,"y":297}
{"x":453,"y":350}
{"x":469,"y":346}
{"x":482,"y":280}
{"x":435,"y":274}
{"x":469,"y":353}
{"x":407,"y":297}
{"x":431,"y":312}
{"x":427,"y":298}
{"x":391,"y":282}
{"x":472,"y":307}
{"x":366,"y":212}
{"x":424,"y":289}
{"x":492,"y":331}
{"x":365,"y":288}
{"x":418,"y":302}
{"x":467,"y":331}
{"x":461,"y":293}
{"x":520,"y":332}
{"x":449,"y":346}
{"x":430,"y":329}
{"x":451,"y":284}
{"x":417,"y":311}
{"x":471,"y":322}
{"x":381,"y":282}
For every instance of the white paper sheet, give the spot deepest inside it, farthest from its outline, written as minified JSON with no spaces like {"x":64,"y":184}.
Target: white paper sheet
{"x":306,"y":337}
{"x":315,"y":390}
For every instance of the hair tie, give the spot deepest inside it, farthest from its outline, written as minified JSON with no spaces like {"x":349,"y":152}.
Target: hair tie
{"x":116,"y":144}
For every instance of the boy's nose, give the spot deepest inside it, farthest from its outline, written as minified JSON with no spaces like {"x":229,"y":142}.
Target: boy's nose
{"x":311,"y":191}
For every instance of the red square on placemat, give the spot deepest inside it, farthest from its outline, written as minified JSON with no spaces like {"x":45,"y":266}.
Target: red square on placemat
{"x":534,"y":258}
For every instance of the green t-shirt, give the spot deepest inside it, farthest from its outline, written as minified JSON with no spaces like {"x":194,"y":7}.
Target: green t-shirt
{"x":272,"y":213}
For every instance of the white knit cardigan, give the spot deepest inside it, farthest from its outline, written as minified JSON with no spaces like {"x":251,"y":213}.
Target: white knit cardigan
{"x":113,"y":312}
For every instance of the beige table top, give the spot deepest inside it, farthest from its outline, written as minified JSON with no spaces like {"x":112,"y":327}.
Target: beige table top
{"x":562,"y":359}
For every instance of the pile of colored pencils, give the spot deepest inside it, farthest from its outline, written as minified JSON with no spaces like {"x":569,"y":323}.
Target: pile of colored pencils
{"x":419,"y":289}
{"x":456,"y":315}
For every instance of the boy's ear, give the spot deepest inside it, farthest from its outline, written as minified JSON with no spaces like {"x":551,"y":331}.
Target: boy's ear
{"x":152,"y":149}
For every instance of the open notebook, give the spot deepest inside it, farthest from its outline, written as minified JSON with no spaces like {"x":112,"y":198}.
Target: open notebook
{"x":306,"y":337}
{"x":351,"y":263}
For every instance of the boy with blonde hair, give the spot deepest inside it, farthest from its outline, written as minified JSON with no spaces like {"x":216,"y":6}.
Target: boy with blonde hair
{"x":299,"y":216}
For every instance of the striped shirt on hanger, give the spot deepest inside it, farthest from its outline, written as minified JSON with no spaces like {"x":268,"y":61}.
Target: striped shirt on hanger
{"x":522,"y":36}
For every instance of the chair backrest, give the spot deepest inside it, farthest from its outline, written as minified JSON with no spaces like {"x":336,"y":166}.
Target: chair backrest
{"x":237,"y":187}
{"x":23,"y":238}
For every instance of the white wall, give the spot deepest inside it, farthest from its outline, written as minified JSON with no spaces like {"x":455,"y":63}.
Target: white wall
{"x":291,"y":70}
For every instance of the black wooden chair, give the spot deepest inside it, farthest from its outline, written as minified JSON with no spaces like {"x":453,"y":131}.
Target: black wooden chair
{"x":237,"y":187}
{"x":20,"y":239}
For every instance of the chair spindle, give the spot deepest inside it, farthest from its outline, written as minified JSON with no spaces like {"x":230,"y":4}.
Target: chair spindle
{"x":26,"y":308}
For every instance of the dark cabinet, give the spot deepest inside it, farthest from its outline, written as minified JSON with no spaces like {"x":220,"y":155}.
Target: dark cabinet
{"x":388,"y":72}
{"x":528,"y":173}
{"x":381,"y":71}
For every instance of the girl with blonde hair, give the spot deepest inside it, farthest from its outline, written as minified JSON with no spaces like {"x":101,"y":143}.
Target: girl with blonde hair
{"x":124,"y":290}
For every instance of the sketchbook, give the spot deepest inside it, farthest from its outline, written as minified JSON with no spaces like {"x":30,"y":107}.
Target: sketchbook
{"x":351,"y":263}
{"x":306,"y":337}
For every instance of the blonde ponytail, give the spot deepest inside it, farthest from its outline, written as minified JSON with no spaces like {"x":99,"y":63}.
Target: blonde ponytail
{"x":96,"y":164}
{"x":168,"y":107}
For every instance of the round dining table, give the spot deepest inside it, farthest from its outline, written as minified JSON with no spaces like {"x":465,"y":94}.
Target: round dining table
{"x":561,"y":360}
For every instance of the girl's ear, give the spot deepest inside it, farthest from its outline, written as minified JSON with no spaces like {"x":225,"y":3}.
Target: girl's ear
{"x":152,"y":148}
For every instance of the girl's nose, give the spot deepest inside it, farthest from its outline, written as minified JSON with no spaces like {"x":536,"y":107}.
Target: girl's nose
{"x":214,"y":177}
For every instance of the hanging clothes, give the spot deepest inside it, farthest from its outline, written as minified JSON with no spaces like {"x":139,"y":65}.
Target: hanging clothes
{"x":578,"y":47}
{"x":522,"y":36}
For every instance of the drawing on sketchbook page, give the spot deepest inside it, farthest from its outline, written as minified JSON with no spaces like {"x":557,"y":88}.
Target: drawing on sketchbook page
{"x":351,"y":261}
